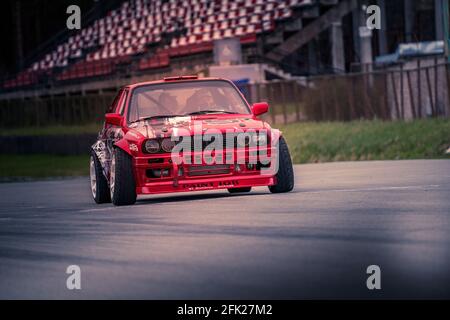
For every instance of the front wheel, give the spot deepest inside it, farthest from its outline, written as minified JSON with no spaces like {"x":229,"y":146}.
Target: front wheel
{"x":121,"y":182}
{"x":285,"y":174}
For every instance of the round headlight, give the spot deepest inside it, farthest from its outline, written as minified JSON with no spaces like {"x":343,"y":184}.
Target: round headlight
{"x":167,"y":144}
{"x":151,"y":146}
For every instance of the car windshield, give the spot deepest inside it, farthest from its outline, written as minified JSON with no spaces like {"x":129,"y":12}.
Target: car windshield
{"x":185,"y":98}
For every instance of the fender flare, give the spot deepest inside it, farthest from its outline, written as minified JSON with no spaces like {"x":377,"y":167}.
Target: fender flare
{"x":123,"y":144}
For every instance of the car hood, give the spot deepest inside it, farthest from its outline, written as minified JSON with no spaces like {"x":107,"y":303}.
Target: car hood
{"x":192,"y":125}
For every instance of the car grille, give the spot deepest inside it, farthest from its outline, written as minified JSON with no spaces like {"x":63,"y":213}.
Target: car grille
{"x":194,"y":171}
{"x":233,"y":144}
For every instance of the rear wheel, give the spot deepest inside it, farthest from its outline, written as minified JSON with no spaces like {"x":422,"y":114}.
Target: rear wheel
{"x":239,"y":190}
{"x":99,"y":184}
{"x":285,"y":174}
{"x":121,"y":183}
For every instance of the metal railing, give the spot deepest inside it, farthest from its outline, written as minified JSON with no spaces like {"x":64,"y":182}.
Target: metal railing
{"x":400,"y":93}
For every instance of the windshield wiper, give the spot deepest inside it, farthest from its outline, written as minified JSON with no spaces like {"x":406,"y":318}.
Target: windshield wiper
{"x":158,"y":117}
{"x":209,"y":111}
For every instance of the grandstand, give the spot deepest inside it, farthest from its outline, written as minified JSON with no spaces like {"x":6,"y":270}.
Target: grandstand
{"x":143,"y":37}
{"x":148,"y":39}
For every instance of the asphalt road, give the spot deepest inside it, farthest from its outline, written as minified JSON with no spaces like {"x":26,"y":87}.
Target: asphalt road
{"x":315,"y":242}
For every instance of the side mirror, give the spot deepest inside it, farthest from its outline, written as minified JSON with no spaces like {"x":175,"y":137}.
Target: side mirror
{"x":260,"y":108}
{"x":114,"y":119}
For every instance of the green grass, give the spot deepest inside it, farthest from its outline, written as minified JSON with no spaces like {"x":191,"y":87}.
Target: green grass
{"x":42,"y":166}
{"x":308,"y":143}
{"x":51,"y":130}
{"x":368,"y":140}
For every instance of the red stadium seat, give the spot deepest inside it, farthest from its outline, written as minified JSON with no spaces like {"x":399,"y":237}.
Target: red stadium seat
{"x":130,"y":28}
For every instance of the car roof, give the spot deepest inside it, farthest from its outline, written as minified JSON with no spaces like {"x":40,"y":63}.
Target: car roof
{"x":172,"y":80}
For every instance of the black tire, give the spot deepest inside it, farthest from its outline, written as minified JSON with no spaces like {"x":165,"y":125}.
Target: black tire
{"x":122,"y":184}
{"x":239,"y":190}
{"x":99,"y":186}
{"x":285,"y":174}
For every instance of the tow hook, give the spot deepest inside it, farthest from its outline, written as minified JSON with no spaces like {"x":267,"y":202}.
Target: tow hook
{"x":175,"y":174}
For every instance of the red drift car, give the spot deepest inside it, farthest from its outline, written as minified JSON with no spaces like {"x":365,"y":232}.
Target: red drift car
{"x":186,"y":134}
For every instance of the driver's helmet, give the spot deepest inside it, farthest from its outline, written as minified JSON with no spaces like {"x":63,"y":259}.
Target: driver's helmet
{"x":205,"y":97}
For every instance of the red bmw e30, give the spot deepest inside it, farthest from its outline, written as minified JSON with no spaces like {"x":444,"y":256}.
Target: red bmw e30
{"x":186,"y":134}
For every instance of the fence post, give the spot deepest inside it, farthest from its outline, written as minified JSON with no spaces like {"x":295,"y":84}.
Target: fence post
{"x":367,"y":96}
{"x":419,"y":85}
{"x":270,"y":96}
{"x":335,"y":97}
{"x":394,"y":89}
{"x":447,"y":71}
{"x":411,"y":94}
{"x":250,"y":93}
{"x":296,"y":95}
{"x":283,"y":100}
{"x":402,"y":98}
{"x":258,"y":92}
{"x":387,"y":109}
{"x":436,"y":104}
{"x":351,"y":97}
{"x":430,"y":92}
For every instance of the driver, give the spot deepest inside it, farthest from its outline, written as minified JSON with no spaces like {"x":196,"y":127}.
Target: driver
{"x":169,"y":102}
{"x":205,"y":98}
{"x":200,"y":100}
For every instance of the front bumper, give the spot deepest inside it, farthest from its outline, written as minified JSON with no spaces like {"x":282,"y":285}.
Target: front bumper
{"x":205,"y":184}
{"x":172,"y":177}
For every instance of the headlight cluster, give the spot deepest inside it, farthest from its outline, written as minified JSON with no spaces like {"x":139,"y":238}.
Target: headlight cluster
{"x":155,"y":145}
{"x":151,"y":146}
{"x":167,"y":144}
